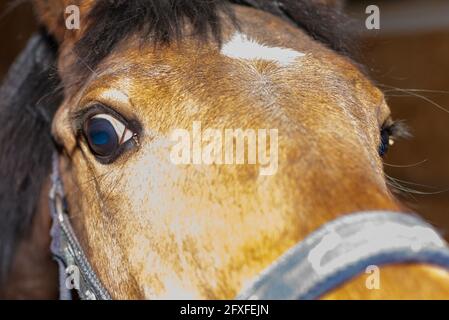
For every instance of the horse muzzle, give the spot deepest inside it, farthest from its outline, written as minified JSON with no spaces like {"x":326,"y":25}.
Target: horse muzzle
{"x":330,"y":256}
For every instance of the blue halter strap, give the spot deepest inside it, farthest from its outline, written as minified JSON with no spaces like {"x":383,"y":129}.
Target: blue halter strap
{"x":347,"y":247}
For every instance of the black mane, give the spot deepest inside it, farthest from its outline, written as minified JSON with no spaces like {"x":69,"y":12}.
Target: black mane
{"x":161,"y":22}
{"x":28,"y":98}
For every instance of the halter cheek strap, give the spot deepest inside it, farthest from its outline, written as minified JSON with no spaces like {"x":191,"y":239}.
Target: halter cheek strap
{"x":344,"y":248}
{"x":75,"y":272}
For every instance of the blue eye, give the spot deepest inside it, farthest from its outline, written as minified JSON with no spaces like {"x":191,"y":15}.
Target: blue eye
{"x":102,"y":137}
{"x":107,"y":137}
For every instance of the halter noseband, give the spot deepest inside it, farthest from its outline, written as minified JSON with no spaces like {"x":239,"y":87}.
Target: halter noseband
{"x":330,"y":256}
{"x":344,"y":248}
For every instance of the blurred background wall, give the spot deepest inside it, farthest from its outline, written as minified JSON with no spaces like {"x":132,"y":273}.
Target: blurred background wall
{"x":16,"y":26}
{"x":408,"y":57}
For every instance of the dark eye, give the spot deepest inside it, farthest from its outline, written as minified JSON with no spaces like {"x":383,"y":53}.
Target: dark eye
{"x":390,"y":132}
{"x":385,"y":141}
{"x":105,"y":135}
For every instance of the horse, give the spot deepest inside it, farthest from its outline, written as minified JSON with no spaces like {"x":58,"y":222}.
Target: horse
{"x":88,"y":117}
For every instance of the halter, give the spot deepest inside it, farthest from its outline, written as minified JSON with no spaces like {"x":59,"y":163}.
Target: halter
{"x":330,"y":256}
{"x":67,"y":250}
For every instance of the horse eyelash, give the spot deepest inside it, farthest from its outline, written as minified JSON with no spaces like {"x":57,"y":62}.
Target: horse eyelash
{"x":397,"y":129}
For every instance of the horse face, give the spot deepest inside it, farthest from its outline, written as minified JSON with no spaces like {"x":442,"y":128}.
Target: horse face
{"x":157,"y":212}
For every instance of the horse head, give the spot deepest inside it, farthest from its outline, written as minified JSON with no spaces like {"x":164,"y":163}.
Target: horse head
{"x":199,"y":141}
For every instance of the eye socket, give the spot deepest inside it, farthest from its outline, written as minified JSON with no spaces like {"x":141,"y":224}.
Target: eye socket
{"x":106,"y":135}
